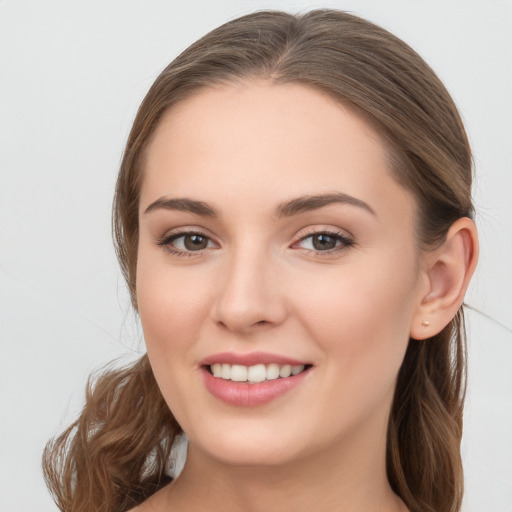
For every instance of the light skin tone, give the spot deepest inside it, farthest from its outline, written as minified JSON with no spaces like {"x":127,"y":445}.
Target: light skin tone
{"x":270,"y":222}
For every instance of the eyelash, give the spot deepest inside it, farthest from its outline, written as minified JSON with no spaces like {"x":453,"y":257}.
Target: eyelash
{"x":166,"y":243}
{"x":346,"y":242}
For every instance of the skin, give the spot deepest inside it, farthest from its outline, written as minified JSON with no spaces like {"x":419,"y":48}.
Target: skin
{"x":259,"y":284}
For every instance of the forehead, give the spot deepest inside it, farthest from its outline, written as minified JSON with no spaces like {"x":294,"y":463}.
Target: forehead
{"x":240,"y":142}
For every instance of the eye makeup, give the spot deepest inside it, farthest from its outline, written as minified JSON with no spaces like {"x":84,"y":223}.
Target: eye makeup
{"x":318,"y":242}
{"x":186,"y":243}
{"x":324,"y":242}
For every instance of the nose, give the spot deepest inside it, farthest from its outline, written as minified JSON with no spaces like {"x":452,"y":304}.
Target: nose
{"x":250,"y":296}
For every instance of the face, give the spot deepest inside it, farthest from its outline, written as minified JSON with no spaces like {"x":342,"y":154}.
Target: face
{"x":273,"y":239}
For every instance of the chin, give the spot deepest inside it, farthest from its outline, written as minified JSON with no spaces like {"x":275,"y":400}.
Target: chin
{"x":253,"y":456}
{"x":263,"y":447}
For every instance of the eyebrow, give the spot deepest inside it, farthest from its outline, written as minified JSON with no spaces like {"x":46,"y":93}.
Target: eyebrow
{"x":314,"y":202}
{"x":286,"y":209}
{"x":183,"y":204}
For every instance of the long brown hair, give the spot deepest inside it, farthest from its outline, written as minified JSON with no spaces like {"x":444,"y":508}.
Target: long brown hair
{"x":117,"y":453}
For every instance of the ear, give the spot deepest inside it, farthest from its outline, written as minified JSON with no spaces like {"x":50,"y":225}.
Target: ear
{"x":447,"y":272}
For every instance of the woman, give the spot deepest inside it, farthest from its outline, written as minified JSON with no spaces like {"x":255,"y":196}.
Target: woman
{"x":293,"y":219}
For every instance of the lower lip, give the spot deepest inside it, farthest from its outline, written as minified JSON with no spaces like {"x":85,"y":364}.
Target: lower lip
{"x":244,"y":394}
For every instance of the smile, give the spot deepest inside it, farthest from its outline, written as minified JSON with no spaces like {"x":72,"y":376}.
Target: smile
{"x":256,"y":373}
{"x":254,"y":383}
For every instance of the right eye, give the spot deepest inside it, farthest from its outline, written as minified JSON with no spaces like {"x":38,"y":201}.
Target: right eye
{"x":186,"y":243}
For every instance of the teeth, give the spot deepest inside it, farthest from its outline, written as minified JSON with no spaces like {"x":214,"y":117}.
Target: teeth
{"x":226,"y":371}
{"x":285,"y":371}
{"x":297,"y":369}
{"x":272,"y":371}
{"x":217,"y":370}
{"x":238,"y":373}
{"x":256,"y":373}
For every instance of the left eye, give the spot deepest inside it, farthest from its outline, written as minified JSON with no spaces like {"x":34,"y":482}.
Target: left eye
{"x":324,"y":242}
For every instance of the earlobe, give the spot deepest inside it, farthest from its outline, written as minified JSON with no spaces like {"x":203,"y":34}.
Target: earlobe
{"x":448,"y":272}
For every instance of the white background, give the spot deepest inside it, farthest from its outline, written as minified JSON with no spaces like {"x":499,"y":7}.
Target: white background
{"x":72,"y":74}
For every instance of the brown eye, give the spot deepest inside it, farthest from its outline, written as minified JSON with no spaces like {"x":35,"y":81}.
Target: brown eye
{"x":194,"y":242}
{"x":182,"y":244}
{"x":323,"y":242}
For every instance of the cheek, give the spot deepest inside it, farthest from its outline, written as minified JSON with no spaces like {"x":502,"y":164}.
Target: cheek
{"x":170,"y":307}
{"x":362,"y":322}
{"x":171,"y":313}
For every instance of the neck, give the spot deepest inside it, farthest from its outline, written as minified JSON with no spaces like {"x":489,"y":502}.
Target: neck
{"x":352,"y":481}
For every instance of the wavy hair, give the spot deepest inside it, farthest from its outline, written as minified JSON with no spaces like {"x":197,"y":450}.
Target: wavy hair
{"x":117,"y":453}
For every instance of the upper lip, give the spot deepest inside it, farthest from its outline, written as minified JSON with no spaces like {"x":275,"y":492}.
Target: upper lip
{"x":249,"y":359}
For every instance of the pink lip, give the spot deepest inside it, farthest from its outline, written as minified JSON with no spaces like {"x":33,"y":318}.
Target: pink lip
{"x":242,"y":393}
{"x":249,"y":359}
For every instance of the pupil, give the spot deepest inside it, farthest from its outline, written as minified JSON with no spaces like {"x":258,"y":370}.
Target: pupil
{"x":324,"y":242}
{"x":195,"y":242}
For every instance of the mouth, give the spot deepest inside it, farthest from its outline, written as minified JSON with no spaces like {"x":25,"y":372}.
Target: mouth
{"x":255,"y":379}
{"x":255,"y":374}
